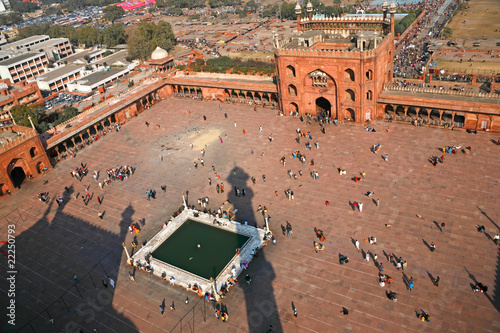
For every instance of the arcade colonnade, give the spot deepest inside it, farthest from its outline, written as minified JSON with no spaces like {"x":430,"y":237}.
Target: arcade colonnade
{"x":422,"y":116}
{"x":103,"y":123}
{"x":249,"y":96}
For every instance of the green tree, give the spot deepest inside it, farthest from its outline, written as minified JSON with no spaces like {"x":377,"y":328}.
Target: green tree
{"x":113,"y":35}
{"x":53,"y":10}
{"x":161,"y":3}
{"x":146,"y":36}
{"x":24,"y":7}
{"x":112,"y":13}
{"x":21,"y":114}
{"x":175,"y":11}
{"x":241,"y":13}
{"x":252,"y":6}
{"x":446,"y":33}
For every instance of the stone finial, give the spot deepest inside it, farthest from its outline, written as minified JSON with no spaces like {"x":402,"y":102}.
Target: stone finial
{"x":385,"y":4}
{"x":298,"y":9}
{"x":392,"y":8}
{"x":309,"y":6}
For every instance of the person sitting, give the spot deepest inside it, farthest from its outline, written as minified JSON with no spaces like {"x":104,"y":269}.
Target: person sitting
{"x":373,"y":240}
{"x":392,"y":296}
{"x":343,"y":259}
{"x":480,"y":228}
{"x":480,"y":287}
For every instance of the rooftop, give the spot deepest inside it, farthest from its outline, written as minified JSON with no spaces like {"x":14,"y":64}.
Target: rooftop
{"x":59,"y":72}
{"x":117,"y":57}
{"x":27,"y":40}
{"x":96,"y":77}
{"x":20,"y":58}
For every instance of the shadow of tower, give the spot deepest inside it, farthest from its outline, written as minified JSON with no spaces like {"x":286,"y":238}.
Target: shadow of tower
{"x":48,"y":297}
{"x":262,"y":309}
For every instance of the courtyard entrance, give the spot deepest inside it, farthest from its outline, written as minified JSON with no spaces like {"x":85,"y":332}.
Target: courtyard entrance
{"x":323,"y":107}
{"x":17,"y":176}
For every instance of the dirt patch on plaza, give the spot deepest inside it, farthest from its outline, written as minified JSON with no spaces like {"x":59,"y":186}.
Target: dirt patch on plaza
{"x":203,"y":136}
{"x":466,"y":67}
{"x":476,"y":19}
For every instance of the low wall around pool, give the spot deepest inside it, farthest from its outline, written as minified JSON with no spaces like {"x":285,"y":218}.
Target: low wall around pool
{"x":187,"y":279}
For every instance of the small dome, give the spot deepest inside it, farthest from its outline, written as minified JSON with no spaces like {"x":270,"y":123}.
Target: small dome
{"x":309,"y":5}
{"x":385,"y":4}
{"x":297,"y":7}
{"x":159,"y":53}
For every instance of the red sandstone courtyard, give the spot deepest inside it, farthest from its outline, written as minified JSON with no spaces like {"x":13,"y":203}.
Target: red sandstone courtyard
{"x":53,"y":243}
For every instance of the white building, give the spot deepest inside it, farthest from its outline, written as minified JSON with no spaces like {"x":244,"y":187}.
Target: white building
{"x":23,"y":67}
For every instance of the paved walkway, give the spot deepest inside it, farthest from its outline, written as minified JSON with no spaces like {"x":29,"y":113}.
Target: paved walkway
{"x":54,"y":243}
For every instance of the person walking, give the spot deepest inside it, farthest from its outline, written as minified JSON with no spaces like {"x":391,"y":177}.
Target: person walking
{"x":162,"y":309}
{"x":496,"y":239}
{"x":436,"y":282}
{"x":357,"y":244}
{"x":100,"y":214}
{"x":367,"y":256}
{"x":112,"y":282}
{"x":433,"y":247}
{"x":378,"y":202}
{"x":360,"y":206}
{"x":410,"y":284}
{"x":442,"y":227}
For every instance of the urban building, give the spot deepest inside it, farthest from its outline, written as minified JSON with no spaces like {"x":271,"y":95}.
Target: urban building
{"x":22,"y":67}
{"x":16,"y":94}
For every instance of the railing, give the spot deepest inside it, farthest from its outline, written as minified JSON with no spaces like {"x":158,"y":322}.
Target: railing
{"x":440,"y":91}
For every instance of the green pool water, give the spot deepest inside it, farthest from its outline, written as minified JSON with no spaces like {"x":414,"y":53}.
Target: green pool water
{"x":217,"y":247}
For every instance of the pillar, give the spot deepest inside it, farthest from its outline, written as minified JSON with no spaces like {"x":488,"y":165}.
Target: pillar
{"x":81,"y":136}
{"x":74,"y":143}
{"x":57,"y":151}
{"x":392,"y":11}
{"x":298,"y":11}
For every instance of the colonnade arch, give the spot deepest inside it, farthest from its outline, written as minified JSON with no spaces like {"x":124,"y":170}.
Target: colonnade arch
{"x":420,"y":116}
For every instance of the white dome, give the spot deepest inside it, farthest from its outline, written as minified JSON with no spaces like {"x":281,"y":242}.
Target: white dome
{"x":159,"y":53}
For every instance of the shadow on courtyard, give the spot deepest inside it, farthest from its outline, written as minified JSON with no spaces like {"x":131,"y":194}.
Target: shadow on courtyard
{"x":262,"y":309}
{"x":48,"y":295}
{"x":493,"y":294}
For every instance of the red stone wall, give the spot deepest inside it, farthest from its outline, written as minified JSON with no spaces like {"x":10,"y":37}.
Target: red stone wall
{"x":380,"y":66}
{"x":20,"y":155}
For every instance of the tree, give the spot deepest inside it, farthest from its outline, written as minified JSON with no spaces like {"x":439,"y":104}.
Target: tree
{"x":161,"y":3}
{"x":20,"y":113}
{"x":252,"y":6}
{"x":112,"y":13}
{"x":447,"y":32}
{"x":146,"y":36}
{"x":241,"y":13}
{"x":113,"y":35}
